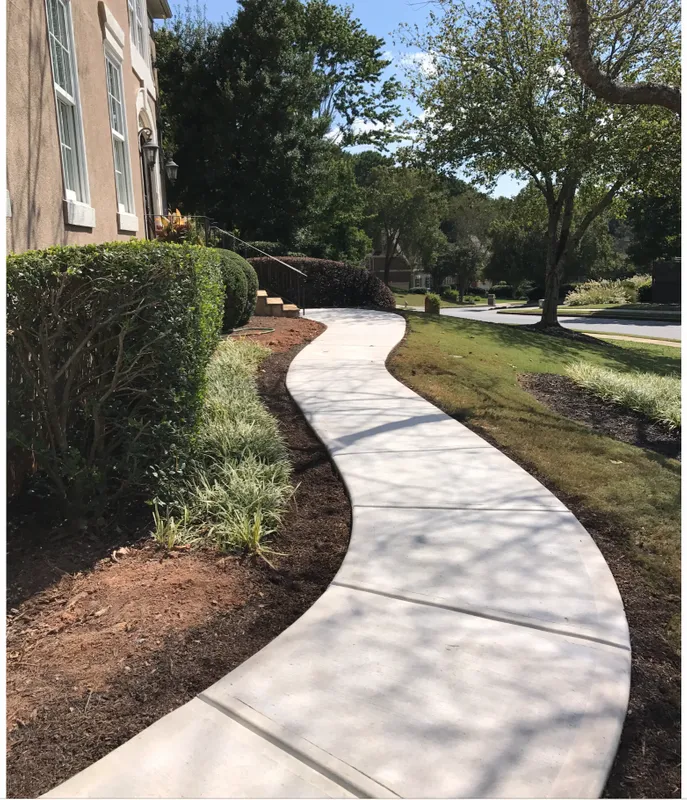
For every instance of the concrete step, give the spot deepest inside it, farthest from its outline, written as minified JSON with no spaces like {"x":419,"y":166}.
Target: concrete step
{"x":261,"y":304}
{"x":275,"y":306}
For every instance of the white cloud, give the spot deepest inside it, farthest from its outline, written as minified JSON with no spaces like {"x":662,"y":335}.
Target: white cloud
{"x":365,"y":126}
{"x":334,"y":134}
{"x":425,"y":61}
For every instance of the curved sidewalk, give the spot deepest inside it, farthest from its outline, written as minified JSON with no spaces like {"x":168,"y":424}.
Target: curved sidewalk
{"x":473,"y":643}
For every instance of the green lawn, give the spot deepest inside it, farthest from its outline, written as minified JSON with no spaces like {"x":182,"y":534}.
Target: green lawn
{"x":470,"y":370}
{"x":629,"y":311}
{"x":418,"y":301}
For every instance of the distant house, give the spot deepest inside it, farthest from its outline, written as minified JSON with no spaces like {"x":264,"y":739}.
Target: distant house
{"x":82,"y":162}
{"x":402,"y":276}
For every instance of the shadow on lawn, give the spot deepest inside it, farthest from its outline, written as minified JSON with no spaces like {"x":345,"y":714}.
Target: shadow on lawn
{"x":558,"y":346}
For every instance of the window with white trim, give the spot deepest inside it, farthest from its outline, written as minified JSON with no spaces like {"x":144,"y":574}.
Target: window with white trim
{"x":65,"y":80}
{"x":137,"y":26}
{"x":120,"y":145}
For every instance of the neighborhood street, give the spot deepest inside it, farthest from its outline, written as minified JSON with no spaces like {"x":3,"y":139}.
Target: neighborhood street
{"x":631,"y":327}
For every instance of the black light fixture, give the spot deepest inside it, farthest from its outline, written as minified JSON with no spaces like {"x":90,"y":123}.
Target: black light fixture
{"x":148,"y":147}
{"x":171,"y":168}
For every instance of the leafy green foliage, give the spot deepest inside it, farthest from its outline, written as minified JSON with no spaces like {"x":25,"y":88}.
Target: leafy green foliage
{"x":608,"y":292}
{"x":246,"y":106}
{"x":332,"y":284}
{"x":432,"y":303}
{"x":335,"y":229}
{"x":655,"y":396}
{"x":237,"y":483}
{"x":252,"y":287}
{"x":656,"y":227}
{"x":106,"y":362}
{"x":235,"y":289}
{"x":501,"y":98}
{"x":406,"y":207}
{"x":462,"y":259}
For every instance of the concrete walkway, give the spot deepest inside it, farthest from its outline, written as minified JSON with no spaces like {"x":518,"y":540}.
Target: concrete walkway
{"x":473,"y":644}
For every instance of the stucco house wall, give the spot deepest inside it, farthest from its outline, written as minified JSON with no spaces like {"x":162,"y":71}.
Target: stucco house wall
{"x":36,"y":216}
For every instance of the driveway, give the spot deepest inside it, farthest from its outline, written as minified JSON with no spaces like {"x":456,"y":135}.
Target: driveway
{"x":631,"y":327}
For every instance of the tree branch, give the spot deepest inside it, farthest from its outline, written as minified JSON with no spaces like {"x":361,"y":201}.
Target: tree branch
{"x":580,"y":55}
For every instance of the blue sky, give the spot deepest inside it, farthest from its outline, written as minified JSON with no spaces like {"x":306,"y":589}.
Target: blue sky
{"x":380,"y":17}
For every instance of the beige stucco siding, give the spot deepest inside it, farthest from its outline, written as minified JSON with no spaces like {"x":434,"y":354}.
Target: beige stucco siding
{"x":34,"y":174}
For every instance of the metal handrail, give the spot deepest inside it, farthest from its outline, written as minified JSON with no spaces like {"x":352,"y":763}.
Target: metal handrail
{"x":287,"y":286}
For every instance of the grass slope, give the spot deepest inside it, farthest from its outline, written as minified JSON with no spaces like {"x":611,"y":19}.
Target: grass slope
{"x":470,"y":370}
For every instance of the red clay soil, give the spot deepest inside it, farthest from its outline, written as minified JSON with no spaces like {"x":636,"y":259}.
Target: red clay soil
{"x":101,"y":649}
{"x":279,"y":333}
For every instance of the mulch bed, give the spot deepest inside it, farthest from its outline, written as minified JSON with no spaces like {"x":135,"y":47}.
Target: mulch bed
{"x":562,"y":395}
{"x":102,"y":643}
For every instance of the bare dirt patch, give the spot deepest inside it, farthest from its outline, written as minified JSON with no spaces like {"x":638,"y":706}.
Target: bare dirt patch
{"x":561,"y":394}
{"x":279,"y":333}
{"x":171,"y":626}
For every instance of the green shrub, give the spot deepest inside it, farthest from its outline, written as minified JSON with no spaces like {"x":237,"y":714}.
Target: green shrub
{"x":450,"y":294}
{"x":271,"y":248}
{"x":333,"y":284}
{"x":432,"y":303}
{"x":235,"y":289}
{"x":107,"y":355}
{"x":477,"y":291}
{"x":419,"y":290}
{"x":235,"y":314}
{"x":645,"y":293}
{"x":238,"y":480}
{"x":502,"y":291}
{"x":655,"y":396}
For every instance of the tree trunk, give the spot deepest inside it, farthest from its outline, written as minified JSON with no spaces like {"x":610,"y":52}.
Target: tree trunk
{"x":549,"y":316}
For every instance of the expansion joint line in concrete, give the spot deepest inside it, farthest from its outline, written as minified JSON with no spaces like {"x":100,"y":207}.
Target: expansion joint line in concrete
{"x":482,"y":614}
{"x":298,"y":753}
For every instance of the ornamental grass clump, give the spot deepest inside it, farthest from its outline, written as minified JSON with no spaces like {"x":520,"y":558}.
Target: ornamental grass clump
{"x":236,"y":485}
{"x":655,"y":396}
{"x":607,"y":292}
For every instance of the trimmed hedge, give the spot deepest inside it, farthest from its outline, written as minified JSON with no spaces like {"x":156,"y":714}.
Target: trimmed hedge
{"x":241,"y":286}
{"x":502,"y":291}
{"x":271,"y":248}
{"x":332,"y":284}
{"x":252,"y":298}
{"x":432,"y":304}
{"x":450,"y":294}
{"x":107,"y":353}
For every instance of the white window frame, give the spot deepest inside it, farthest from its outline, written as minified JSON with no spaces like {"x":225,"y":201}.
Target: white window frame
{"x":126,"y":209}
{"x":78,"y":199}
{"x":138,"y":22}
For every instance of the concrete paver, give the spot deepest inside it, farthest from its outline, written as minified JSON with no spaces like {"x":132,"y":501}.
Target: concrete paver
{"x":473,"y":643}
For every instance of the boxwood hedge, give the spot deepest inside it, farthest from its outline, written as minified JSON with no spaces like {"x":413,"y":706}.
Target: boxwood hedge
{"x":333,"y":284}
{"x":107,"y":352}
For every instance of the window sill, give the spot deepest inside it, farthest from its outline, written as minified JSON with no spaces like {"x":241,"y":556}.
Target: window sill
{"x":127,"y":222}
{"x":79,"y":214}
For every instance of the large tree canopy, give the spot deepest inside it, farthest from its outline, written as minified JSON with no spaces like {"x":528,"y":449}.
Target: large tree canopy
{"x":246,"y":108}
{"x":501,"y":97}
